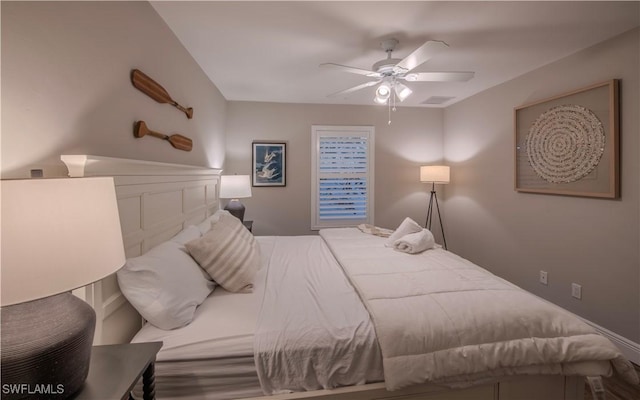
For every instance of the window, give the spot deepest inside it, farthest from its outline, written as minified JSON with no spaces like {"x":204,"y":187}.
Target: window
{"x":341,"y":176}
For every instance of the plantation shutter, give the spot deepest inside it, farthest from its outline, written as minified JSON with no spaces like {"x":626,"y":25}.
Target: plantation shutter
{"x":343,"y":179}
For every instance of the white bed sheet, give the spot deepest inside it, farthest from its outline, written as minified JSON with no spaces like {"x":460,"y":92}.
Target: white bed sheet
{"x":212,"y":357}
{"x":313,"y":332}
{"x":223,"y":326}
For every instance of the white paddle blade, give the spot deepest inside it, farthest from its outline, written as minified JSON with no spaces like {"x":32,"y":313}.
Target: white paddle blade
{"x":352,"y":70}
{"x":353,"y":89}
{"x":421,"y":55}
{"x":439,"y":76}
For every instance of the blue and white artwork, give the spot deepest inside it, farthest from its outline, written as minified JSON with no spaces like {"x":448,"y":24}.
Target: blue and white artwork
{"x":269,"y":164}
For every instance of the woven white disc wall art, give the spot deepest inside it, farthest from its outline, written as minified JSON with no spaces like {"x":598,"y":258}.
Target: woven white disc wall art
{"x":565,"y":143}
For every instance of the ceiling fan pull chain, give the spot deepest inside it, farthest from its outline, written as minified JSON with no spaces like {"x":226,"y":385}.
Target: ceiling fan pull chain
{"x":394,"y":101}
{"x":389,"y":104}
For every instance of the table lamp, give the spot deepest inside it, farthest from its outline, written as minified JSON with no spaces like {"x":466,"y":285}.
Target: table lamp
{"x":435,"y":174}
{"x":235,"y":187}
{"x":57,"y":235}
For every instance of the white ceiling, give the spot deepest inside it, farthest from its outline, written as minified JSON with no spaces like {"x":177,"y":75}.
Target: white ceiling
{"x":271,"y":51}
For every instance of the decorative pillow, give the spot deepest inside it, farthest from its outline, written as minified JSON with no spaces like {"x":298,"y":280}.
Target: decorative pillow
{"x":229,"y":254}
{"x":165,"y":284}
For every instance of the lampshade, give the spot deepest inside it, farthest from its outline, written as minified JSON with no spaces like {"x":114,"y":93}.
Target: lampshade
{"x":402,"y":91}
{"x":383,"y":90}
{"x":235,"y":186}
{"x":380,"y":100}
{"x":434,"y":174}
{"x":57,"y":235}
{"x":382,"y":93}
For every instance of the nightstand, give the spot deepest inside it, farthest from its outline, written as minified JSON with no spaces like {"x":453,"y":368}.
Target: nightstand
{"x":115,"y":369}
{"x":248,"y":225}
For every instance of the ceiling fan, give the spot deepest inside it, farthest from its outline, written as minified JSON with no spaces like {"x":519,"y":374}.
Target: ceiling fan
{"x":391,"y":72}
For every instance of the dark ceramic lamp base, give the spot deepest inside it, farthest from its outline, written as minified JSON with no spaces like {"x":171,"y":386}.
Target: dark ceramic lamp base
{"x":236,"y":209}
{"x":46,"y":347}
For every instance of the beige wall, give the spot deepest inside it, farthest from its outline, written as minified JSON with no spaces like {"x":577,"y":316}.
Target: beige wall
{"x":413,"y":138}
{"x":591,"y":242}
{"x":66,"y":87}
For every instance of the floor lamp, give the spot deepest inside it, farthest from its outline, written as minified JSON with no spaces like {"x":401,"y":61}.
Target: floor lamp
{"x":434,"y":174}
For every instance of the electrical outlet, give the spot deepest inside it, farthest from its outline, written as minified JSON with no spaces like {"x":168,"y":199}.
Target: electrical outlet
{"x":543,"y":277}
{"x":576,"y":291}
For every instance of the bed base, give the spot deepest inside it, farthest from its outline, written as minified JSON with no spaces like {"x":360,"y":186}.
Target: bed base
{"x":535,"y":387}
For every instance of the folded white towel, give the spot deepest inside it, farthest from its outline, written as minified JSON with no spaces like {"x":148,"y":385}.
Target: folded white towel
{"x":414,"y":243}
{"x":406,"y":227}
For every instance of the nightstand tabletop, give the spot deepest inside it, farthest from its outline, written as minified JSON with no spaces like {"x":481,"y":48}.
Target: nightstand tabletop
{"x":248,"y":224}
{"x":115,"y":369}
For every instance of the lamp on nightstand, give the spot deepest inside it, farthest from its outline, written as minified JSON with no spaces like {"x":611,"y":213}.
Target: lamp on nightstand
{"x":235,"y":187}
{"x":57,"y":235}
{"x":435,"y":174}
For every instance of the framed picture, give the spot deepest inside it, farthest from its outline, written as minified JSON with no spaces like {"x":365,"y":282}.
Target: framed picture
{"x":569,"y":144}
{"x":269,"y":164}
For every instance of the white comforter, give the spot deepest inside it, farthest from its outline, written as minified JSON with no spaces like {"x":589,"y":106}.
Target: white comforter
{"x":439,"y":318}
{"x":313,"y":331}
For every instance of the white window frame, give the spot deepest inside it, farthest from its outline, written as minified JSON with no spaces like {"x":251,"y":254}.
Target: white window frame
{"x":317,"y":131}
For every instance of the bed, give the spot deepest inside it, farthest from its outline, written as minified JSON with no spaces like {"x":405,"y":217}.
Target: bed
{"x":235,"y":347}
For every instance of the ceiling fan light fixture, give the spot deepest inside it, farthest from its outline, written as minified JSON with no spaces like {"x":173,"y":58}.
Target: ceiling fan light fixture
{"x":383,"y":91}
{"x":390,"y":73}
{"x":402,"y":91}
{"x":380,"y":100}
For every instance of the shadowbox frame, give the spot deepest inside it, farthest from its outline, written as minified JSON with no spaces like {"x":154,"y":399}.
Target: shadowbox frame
{"x":603,"y":181}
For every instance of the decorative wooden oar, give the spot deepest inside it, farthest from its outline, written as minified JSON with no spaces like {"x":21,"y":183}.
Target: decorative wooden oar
{"x":178,"y":141}
{"x":154,"y":90}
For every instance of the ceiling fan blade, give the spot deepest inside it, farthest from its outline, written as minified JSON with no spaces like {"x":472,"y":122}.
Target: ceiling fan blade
{"x":438,"y":76}
{"x":353,"y":89}
{"x":421,"y":55}
{"x":353,"y":70}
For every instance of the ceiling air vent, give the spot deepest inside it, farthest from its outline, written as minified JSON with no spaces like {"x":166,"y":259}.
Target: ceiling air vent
{"x":437,"y":100}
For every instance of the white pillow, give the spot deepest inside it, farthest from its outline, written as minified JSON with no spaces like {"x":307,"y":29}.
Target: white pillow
{"x":165,"y":284}
{"x":229,"y":253}
{"x":205,"y":226}
{"x":188,"y":234}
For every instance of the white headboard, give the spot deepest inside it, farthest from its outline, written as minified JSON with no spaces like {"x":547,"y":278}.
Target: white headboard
{"x":155,"y":201}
